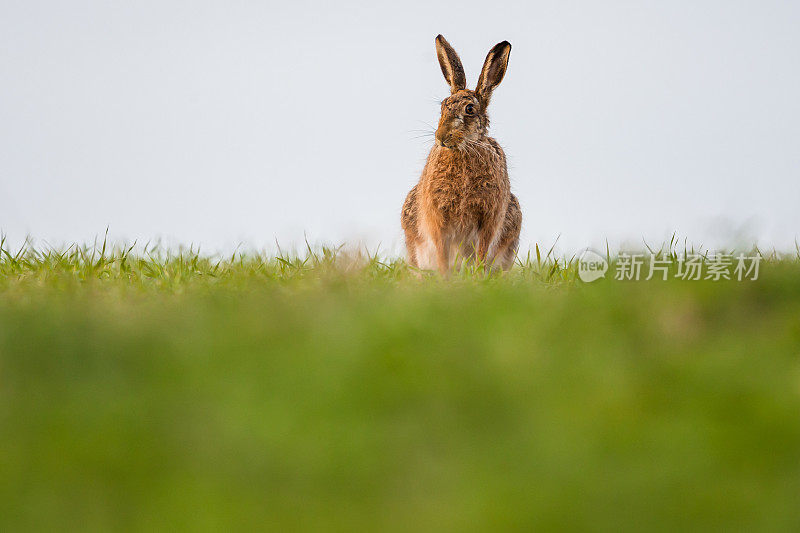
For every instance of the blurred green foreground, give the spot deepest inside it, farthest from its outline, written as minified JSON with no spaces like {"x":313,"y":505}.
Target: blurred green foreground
{"x":374,"y":401}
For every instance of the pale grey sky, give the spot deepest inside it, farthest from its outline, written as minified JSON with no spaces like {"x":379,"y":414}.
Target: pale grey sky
{"x":216,"y":123}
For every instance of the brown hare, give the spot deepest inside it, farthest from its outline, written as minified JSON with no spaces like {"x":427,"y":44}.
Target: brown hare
{"x":462,"y":208}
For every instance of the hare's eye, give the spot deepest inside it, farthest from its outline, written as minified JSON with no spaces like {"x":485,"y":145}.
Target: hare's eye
{"x":470,"y":109}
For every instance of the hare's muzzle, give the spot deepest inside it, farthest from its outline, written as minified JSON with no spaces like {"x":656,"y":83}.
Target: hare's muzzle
{"x":445,"y":138}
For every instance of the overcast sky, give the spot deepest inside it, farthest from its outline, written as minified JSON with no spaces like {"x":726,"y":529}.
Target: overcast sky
{"x":218,"y":123}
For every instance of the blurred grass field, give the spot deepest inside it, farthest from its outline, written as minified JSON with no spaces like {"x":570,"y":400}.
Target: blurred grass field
{"x":178,"y":392}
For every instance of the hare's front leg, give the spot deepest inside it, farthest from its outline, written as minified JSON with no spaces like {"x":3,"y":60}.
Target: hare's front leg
{"x":486,"y":235}
{"x":435,"y":229}
{"x":441,"y":242}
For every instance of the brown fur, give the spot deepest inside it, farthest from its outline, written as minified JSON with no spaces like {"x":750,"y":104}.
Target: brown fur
{"x":462,"y":207}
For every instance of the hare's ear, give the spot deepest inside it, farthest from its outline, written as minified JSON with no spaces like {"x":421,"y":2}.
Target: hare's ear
{"x":494,"y":68}
{"x":451,"y":65}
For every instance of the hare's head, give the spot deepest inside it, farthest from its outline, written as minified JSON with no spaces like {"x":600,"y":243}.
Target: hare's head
{"x":464,"y":117}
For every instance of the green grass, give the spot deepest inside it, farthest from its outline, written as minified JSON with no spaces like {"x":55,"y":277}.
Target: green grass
{"x":147,"y":390}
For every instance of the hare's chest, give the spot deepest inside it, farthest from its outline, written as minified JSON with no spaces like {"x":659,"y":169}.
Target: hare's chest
{"x":465,"y":198}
